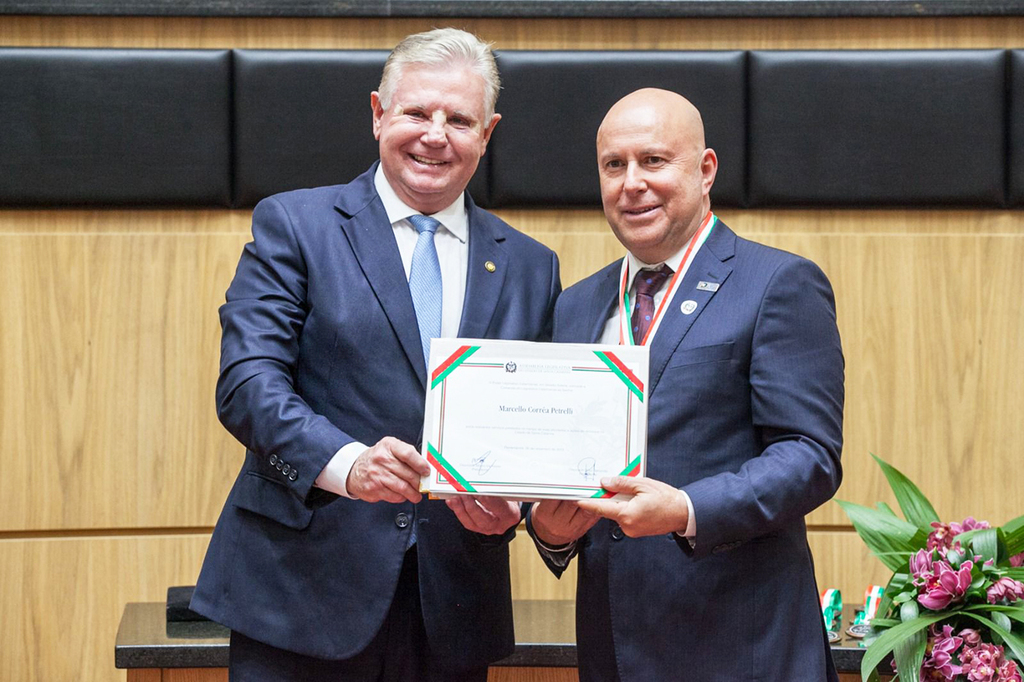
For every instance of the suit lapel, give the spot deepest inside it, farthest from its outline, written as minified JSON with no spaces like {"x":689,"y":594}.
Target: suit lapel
{"x":483,"y":286}
{"x":366,"y":225}
{"x":709,"y":265}
{"x":603,"y":304}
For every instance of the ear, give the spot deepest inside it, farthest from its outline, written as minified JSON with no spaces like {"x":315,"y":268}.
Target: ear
{"x":708,"y":169}
{"x":378,"y":113}
{"x":490,"y":129}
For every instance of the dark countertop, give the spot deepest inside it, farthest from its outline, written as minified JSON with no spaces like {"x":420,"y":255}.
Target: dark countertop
{"x":545,"y":637}
{"x":519,"y":8}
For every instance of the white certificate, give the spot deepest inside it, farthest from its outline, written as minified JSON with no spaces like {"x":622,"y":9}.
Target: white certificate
{"x":533,"y":420}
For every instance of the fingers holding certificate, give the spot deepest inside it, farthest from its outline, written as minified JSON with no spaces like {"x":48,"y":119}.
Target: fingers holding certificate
{"x":533,"y":420}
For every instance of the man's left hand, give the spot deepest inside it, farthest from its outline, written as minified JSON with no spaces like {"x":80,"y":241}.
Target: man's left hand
{"x":655,"y":508}
{"x":485,"y":515}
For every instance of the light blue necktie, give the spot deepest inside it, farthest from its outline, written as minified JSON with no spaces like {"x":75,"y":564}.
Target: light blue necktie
{"x":425,"y":282}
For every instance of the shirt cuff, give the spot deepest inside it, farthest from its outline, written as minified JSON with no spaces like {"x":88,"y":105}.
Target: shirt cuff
{"x":691,"y":522}
{"x":335,"y":474}
{"x":559,"y":556}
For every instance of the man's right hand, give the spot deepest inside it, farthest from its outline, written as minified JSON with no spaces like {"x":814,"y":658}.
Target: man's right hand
{"x":390,"y":471}
{"x":559,"y":522}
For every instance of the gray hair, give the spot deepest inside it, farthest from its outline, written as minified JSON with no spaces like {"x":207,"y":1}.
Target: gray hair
{"x":442,"y":47}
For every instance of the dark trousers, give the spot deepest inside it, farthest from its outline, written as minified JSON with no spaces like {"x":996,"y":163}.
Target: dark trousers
{"x":399,"y":652}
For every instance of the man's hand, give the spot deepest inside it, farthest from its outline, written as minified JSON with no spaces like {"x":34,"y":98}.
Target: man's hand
{"x":390,"y":471}
{"x":656,"y":507}
{"x":485,"y":515}
{"x":559,"y":522}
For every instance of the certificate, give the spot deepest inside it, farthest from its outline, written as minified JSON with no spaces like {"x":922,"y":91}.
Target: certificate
{"x":533,"y":420}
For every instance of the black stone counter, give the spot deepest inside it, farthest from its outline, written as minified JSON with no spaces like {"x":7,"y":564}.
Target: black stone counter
{"x":519,"y":8}
{"x":545,"y":637}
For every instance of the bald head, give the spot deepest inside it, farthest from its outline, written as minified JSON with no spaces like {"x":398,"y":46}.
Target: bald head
{"x":670,"y":112}
{"x":655,"y":172}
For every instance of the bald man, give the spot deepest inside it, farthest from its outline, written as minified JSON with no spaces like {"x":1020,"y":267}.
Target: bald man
{"x":705,"y":573}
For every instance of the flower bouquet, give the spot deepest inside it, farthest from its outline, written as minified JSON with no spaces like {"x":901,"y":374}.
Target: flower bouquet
{"x":954,"y":607}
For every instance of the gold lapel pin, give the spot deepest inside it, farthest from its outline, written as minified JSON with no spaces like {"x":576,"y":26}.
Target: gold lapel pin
{"x":489,"y":266}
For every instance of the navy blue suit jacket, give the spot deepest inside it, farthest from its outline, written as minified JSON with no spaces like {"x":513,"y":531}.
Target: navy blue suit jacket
{"x":320,"y":347}
{"x":746,"y":404}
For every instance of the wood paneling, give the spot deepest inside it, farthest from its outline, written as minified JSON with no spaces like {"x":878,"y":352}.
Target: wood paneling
{"x":61,"y":599}
{"x":541,"y":34}
{"x":109,"y":347}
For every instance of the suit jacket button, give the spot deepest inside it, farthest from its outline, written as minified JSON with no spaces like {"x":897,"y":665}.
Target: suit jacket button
{"x":617,"y":533}
{"x":402,"y":520}
{"x":279,"y":465}
{"x":294,"y":475}
{"x":273,"y":460}
{"x":285,"y":469}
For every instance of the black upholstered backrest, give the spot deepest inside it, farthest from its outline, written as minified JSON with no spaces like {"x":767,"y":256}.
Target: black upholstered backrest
{"x":544,"y":153}
{"x":877,"y":128}
{"x":138,"y":127}
{"x":791,"y":128}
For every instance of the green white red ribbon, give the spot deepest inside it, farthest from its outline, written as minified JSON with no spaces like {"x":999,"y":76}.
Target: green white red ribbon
{"x":446,"y":470}
{"x":449,"y":365}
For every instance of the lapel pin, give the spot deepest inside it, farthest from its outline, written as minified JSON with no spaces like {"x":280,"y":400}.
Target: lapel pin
{"x":489,"y":266}
{"x":707,"y":286}
{"x":688,"y":307}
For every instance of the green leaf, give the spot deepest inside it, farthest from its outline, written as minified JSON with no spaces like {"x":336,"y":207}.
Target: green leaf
{"x":909,"y":653}
{"x":1016,"y":573}
{"x":1013,"y":641}
{"x":896,"y":584}
{"x":889,"y":639}
{"x":1013,"y":612}
{"x":1001,"y":620}
{"x":986,"y":543}
{"x":882,"y":506}
{"x":915,"y":506}
{"x":890,"y":538}
{"x":1014,"y":533}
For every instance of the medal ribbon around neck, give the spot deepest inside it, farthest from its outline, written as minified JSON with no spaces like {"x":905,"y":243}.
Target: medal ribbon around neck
{"x":625,"y":330}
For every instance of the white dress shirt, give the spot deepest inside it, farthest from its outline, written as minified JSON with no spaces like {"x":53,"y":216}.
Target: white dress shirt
{"x":452,"y":243}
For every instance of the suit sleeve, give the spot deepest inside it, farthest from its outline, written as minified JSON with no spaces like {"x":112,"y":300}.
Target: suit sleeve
{"x":796,"y":380}
{"x":262,"y":322}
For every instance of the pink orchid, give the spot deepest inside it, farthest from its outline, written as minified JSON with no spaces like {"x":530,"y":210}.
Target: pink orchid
{"x":1006,"y":588}
{"x":981,"y":663}
{"x":968,"y":524}
{"x":946,"y":585}
{"x":921,"y":564}
{"x":1017,"y":560}
{"x":970,"y":636}
{"x":1008,"y":672}
{"x":938,"y":663}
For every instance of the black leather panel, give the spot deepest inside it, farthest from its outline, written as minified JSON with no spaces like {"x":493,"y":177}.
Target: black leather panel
{"x":877,"y":128}
{"x":543,"y":150}
{"x":1016,"y":164}
{"x":303,"y":119}
{"x":114,"y":127}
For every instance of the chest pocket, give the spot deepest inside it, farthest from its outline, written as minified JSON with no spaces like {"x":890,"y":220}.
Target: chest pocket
{"x":702,"y":354}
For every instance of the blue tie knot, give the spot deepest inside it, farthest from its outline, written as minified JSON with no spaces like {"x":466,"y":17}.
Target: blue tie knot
{"x":424,"y":223}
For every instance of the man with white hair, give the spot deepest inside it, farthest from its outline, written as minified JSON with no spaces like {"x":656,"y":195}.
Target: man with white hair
{"x":326,"y":563}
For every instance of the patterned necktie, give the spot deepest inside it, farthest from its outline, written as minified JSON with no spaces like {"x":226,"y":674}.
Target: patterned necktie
{"x":425,"y":282}
{"x":647,"y":284}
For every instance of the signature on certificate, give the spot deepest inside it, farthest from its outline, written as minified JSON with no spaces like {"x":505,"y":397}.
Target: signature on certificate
{"x":587,"y":468}
{"x":482,"y":464}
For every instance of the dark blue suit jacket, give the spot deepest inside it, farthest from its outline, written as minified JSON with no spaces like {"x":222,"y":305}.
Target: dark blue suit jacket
{"x":320,"y":347}
{"x":746,"y":405}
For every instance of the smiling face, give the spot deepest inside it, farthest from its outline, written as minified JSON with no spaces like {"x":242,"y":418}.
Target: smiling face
{"x":655,"y":172}
{"x":433,"y":134}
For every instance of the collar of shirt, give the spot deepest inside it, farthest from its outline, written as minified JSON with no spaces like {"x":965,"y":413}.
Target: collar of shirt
{"x":453,"y":218}
{"x":635,"y":265}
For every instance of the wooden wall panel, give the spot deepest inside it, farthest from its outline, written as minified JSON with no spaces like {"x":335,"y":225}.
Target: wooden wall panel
{"x":109,"y":355}
{"x":540,"y":34}
{"x":61,"y":599}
